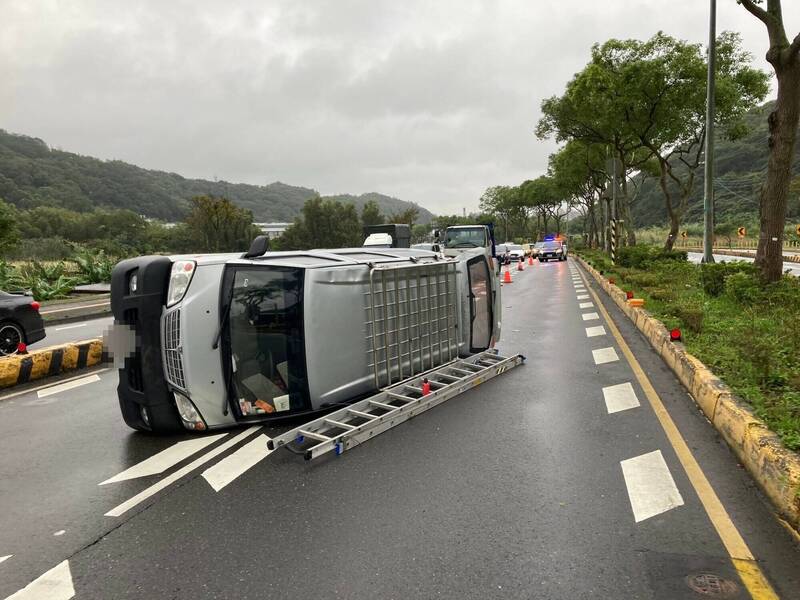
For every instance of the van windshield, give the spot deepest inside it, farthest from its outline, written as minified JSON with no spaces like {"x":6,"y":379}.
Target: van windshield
{"x":466,"y":237}
{"x":265,"y":334}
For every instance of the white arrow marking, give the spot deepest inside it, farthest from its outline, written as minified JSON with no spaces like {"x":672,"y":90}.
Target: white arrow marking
{"x":231,"y":467}
{"x":56,"y":584}
{"x":158,"y":463}
{"x":170,"y":479}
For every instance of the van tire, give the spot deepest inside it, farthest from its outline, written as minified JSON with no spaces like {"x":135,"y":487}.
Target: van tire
{"x":163,"y":418}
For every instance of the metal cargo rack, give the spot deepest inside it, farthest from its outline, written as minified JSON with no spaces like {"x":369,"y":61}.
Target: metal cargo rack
{"x":411,"y":322}
{"x":350,"y":426}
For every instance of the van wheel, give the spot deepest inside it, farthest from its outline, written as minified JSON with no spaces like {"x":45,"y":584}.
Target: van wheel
{"x":161,"y":418}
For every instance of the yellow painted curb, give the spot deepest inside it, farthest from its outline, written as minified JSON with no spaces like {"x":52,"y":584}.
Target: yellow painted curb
{"x":46,"y":362}
{"x":773,"y":466}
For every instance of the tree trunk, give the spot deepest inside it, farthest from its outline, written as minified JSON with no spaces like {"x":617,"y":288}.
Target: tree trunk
{"x":674,"y":226}
{"x":674,"y":215}
{"x":783,"y":123}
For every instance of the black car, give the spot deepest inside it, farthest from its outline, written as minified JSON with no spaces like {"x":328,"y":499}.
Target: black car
{"x":20,"y":322}
{"x":554,"y":250}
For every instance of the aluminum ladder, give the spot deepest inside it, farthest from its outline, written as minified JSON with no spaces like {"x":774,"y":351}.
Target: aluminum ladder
{"x":358,"y":422}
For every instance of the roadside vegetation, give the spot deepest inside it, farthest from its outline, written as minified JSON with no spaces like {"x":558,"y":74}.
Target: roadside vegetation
{"x":746,"y":331}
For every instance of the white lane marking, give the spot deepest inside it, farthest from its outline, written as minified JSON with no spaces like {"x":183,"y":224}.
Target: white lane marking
{"x":56,"y":584}
{"x":170,"y":479}
{"x":651,"y":489}
{"x":60,"y":532}
{"x":230,"y":467}
{"x":169,"y":457}
{"x":590,"y":316}
{"x":5,"y":558}
{"x":583,"y":296}
{"x":70,"y":326}
{"x":604,"y":355}
{"x":620,"y":397}
{"x":58,"y":310}
{"x":595,"y":331}
{"x":63,"y":387}
{"x":585,"y":305}
{"x":44,"y":387}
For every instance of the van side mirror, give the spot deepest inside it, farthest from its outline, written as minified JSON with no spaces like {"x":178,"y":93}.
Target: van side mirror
{"x":259,"y":246}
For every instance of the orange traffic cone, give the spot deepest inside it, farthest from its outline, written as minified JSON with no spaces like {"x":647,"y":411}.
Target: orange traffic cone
{"x":521,"y":265}
{"x":530,"y":260}
{"x":507,"y":276}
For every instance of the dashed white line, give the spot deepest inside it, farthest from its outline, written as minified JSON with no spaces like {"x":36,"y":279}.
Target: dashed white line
{"x":230,"y":467}
{"x":58,"y":310}
{"x":595,"y":331}
{"x":158,"y":463}
{"x":44,"y":387}
{"x":604,"y":355}
{"x":585,"y":305}
{"x":65,"y":327}
{"x":583,"y":296}
{"x":651,"y":489}
{"x":56,"y":584}
{"x":620,"y":397}
{"x":5,"y":558}
{"x":170,"y":479}
{"x":591,"y":316}
{"x":69,"y":385}
{"x":60,"y":532}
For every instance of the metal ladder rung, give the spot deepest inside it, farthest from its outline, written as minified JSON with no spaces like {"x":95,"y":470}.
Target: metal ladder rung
{"x":460,"y":371}
{"x":314,"y":436}
{"x":382,"y":405}
{"x":339,"y":424}
{"x":363,"y":415}
{"x":400,"y":397}
{"x":452,"y":378}
{"x":413,"y":388}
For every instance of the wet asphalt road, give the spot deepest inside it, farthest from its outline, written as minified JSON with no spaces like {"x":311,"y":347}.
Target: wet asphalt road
{"x":792,"y":268}
{"x":512,"y":490}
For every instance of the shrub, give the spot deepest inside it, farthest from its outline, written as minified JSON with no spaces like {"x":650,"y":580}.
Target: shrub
{"x":713,"y":275}
{"x":743,"y":288}
{"x":94,"y":267}
{"x":691,"y":314}
{"x":640,"y":257}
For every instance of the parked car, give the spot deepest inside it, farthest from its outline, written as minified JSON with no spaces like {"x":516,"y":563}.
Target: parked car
{"x":515,"y":251}
{"x":554,"y":250}
{"x":20,"y":322}
{"x":536,"y":248}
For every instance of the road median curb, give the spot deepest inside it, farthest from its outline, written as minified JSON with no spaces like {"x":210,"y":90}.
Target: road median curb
{"x":47,"y":362}
{"x":774,"y":467}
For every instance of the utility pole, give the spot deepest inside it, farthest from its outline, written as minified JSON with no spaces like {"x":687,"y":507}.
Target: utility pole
{"x":708,"y":196}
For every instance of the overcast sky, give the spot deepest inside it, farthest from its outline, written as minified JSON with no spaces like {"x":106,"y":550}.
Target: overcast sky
{"x":426,"y":100}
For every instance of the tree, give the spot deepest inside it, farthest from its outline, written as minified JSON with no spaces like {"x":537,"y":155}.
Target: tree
{"x":665,"y":79}
{"x":220,"y":226}
{"x":505,"y":204}
{"x":9,"y":232}
{"x":784,"y":56}
{"x":409,"y":216}
{"x":324,"y":224}
{"x":371,"y":214}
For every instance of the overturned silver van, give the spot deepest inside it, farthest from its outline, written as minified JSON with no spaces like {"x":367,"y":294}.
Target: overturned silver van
{"x":229,"y":339}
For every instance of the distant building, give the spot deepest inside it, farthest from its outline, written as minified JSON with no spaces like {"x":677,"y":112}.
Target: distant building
{"x":272,"y":230}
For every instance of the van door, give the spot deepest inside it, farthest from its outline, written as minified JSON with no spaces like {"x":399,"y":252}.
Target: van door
{"x":481,"y":309}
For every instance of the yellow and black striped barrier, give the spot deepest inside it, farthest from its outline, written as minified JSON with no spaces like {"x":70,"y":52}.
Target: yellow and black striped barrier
{"x":47,"y":362}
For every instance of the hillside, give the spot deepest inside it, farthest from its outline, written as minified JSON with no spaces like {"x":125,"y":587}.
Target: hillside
{"x":740,"y":170}
{"x":33,"y":174}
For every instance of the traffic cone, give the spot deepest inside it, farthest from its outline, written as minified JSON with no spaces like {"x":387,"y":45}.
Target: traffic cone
{"x":521,"y":265}
{"x":530,"y":260}
{"x":507,"y":276}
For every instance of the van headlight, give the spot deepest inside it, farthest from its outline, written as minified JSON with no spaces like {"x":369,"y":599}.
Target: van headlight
{"x":189,"y":415}
{"x":179,"y":278}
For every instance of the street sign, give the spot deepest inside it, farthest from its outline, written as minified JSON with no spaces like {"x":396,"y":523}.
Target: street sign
{"x":684,"y":235}
{"x":741,"y":231}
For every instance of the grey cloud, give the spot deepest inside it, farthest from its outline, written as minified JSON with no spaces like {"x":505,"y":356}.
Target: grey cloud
{"x":428,"y":101}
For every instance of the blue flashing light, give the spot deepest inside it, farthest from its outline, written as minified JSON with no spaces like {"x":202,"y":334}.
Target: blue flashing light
{"x":549,"y":238}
